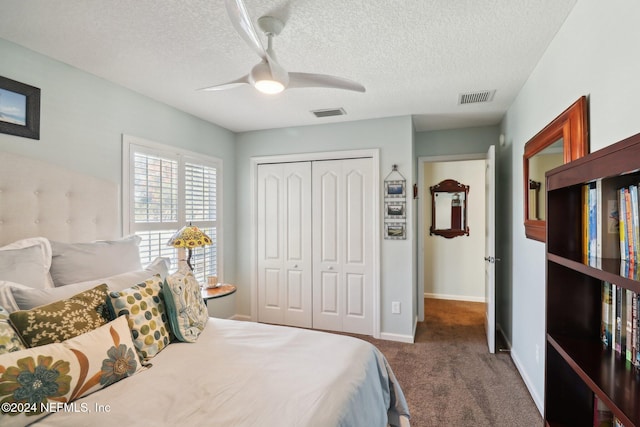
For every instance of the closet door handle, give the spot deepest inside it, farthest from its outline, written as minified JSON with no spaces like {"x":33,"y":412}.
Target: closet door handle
{"x":330,"y":267}
{"x":295,"y":266}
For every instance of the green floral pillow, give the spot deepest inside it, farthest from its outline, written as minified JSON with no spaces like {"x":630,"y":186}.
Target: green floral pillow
{"x":144,"y":306}
{"x":187,"y":312}
{"x":37,"y":378}
{"x":63,"y":319}
{"x":9,"y":338}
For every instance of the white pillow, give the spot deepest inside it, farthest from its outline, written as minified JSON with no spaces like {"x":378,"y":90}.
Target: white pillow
{"x":6,"y":295}
{"x":26,"y":299}
{"x":27,"y":262}
{"x":79,"y":262}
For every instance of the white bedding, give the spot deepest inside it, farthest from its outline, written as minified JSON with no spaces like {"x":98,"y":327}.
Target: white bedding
{"x":242,"y":374}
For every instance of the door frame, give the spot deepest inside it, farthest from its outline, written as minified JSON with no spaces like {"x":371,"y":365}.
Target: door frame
{"x":423,"y":199}
{"x":374,"y":154}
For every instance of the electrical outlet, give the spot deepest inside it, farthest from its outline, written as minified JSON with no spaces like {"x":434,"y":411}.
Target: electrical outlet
{"x":395,"y":307}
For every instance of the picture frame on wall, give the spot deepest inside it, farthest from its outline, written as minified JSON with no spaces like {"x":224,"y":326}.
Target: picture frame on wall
{"x":395,"y":209}
{"x":19,"y":109}
{"x":394,"y":189}
{"x":395,"y":230}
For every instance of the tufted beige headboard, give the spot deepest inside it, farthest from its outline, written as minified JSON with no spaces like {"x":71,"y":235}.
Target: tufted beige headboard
{"x":41,"y":199}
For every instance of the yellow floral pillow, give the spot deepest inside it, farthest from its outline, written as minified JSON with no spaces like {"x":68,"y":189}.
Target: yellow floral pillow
{"x":33,"y":382}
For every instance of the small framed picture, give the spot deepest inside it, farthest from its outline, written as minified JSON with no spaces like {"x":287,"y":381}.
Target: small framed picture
{"x":394,"y":230}
{"x":19,"y":109}
{"x":395,"y":210}
{"x":394,"y":189}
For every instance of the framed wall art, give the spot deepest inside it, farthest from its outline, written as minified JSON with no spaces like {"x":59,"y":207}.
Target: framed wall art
{"x":395,"y":209}
{"x":19,"y":109}
{"x":394,"y":189}
{"x":395,"y":205}
{"x":395,"y":230}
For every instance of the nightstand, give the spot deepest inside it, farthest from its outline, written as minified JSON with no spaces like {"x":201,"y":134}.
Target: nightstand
{"x":217,"y":292}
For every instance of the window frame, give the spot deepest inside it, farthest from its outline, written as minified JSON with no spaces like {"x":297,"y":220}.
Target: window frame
{"x":132,"y":145}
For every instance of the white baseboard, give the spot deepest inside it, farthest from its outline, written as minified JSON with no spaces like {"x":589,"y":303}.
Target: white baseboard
{"x":527,"y":381}
{"x":455,"y":297}
{"x":397,"y":337}
{"x":242,"y":317}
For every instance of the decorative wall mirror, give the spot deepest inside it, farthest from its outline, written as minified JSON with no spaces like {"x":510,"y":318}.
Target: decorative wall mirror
{"x":449,"y":209}
{"x":561,"y":141}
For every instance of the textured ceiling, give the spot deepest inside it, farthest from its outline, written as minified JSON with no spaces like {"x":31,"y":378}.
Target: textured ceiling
{"x":415,"y":57}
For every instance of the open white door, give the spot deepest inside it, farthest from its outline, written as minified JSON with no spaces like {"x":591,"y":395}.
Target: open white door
{"x":489,"y":252}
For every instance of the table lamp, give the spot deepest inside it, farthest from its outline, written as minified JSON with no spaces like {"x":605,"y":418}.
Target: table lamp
{"x":189,"y":237}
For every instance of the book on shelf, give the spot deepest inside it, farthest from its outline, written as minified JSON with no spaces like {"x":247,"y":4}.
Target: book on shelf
{"x":620,"y":331}
{"x":628,"y":226}
{"x":622,"y":209}
{"x":607,"y":317}
{"x":602,"y":415}
{"x":601,"y":232}
{"x":628,"y":324}
{"x":636,"y":333}
{"x":635,"y":229}
{"x":593,"y":220}
{"x":634,"y":328}
{"x":607,"y":220}
{"x":614,"y":303}
{"x":611,"y":222}
{"x":620,"y":322}
{"x":585,"y":223}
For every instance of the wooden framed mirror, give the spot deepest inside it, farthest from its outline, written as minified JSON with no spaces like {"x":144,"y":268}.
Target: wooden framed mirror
{"x":449,"y":209}
{"x":561,"y":141}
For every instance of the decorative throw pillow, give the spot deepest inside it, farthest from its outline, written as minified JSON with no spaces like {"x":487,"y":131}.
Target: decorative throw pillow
{"x":79,"y":262}
{"x":9,"y":339}
{"x":27,"y":261}
{"x":26,"y":298}
{"x":64,"y":372}
{"x":187,"y":312}
{"x":144,"y":306}
{"x":63,"y":319}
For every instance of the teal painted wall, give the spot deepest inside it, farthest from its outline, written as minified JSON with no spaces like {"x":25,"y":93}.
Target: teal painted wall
{"x":83,"y":117}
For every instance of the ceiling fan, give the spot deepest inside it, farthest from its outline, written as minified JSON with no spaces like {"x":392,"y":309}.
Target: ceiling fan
{"x":269,"y":76}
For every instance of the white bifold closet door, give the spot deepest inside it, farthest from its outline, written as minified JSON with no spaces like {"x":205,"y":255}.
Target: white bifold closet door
{"x":315,"y":247}
{"x":284,"y":244}
{"x":342,"y":245}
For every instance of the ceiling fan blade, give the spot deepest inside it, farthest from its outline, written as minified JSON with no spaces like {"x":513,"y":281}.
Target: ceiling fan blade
{"x":242,"y":23}
{"x":300,"y":80}
{"x":228,"y":85}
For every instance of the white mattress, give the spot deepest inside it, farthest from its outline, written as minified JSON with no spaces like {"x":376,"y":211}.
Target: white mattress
{"x":242,"y":374}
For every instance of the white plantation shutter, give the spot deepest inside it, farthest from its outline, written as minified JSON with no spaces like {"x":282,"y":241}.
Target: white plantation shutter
{"x":200,"y":197}
{"x":200,"y":202}
{"x":155,"y":189}
{"x":168,"y":189}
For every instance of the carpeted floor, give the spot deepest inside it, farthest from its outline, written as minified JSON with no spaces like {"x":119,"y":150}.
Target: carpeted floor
{"x":450,"y":379}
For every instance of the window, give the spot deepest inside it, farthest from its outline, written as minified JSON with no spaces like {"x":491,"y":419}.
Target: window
{"x":165,"y":189}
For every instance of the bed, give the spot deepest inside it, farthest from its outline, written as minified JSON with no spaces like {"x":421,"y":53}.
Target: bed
{"x":198,"y":371}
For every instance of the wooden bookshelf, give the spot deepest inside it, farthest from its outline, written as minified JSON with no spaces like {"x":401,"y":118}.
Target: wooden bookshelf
{"x":578,"y":367}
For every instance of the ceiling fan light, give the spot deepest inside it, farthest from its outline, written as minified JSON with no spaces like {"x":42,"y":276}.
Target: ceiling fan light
{"x":270,"y":87}
{"x":264,"y":81}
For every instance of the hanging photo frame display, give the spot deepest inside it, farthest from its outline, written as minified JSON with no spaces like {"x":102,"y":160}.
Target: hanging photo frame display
{"x":395,"y":205}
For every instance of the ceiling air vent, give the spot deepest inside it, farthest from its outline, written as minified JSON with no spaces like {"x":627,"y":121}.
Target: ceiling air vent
{"x":329,"y":112}
{"x":475,"y":97}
